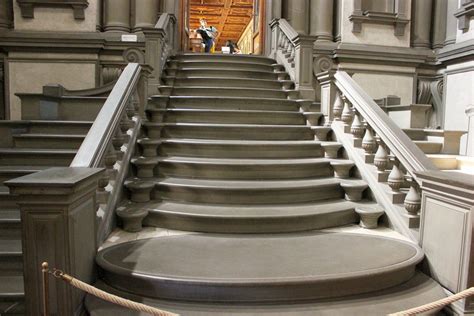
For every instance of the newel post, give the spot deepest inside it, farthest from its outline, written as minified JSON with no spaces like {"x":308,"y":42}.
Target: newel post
{"x":58,"y":218}
{"x":329,"y":95}
{"x":304,"y":66}
{"x":275,"y":37}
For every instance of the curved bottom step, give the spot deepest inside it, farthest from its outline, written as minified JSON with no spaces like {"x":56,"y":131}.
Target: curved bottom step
{"x":258,"y":268}
{"x":417,"y":291}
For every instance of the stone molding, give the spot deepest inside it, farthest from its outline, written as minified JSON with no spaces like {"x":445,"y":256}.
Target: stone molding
{"x":27,"y":7}
{"x":397,"y":18}
{"x":464,"y":14}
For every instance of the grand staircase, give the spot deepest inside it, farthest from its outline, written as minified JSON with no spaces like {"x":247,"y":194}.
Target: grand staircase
{"x":255,"y":215}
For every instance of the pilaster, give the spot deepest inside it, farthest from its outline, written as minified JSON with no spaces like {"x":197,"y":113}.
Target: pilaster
{"x":58,"y":218}
{"x":439,"y":23}
{"x":451,"y":23}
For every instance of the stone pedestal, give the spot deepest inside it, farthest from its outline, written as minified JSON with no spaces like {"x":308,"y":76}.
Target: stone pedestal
{"x":446,"y":231}
{"x":58,"y":218}
{"x":303,"y":71}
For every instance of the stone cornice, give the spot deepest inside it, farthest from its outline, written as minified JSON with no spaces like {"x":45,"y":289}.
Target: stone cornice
{"x":27,"y":7}
{"x":456,"y":51}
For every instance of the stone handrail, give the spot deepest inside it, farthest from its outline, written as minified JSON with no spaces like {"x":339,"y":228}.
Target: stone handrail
{"x":110,"y":144}
{"x":295,"y":52}
{"x":167,"y":23}
{"x":399,"y":144}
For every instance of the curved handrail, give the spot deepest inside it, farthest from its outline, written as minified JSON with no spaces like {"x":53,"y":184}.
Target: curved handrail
{"x":94,"y":146}
{"x":407,"y":152}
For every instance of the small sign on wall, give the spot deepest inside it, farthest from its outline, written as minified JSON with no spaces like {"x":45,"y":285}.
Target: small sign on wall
{"x":129,"y":38}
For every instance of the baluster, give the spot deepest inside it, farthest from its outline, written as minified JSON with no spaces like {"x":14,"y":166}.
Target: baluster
{"x":292,"y":57}
{"x":108,"y":162}
{"x":118,"y":141}
{"x":357,"y":130}
{"x":347,"y":115}
{"x":381,"y":161}
{"x":337,"y":107}
{"x":413,"y":200}
{"x":396,"y":177}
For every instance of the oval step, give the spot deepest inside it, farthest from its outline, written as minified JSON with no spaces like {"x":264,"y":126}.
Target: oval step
{"x":228,"y":73}
{"x":222,"y":57}
{"x":247,"y":192}
{"x":232,"y":103}
{"x":224,"y":65}
{"x":236,"y":131}
{"x":234,"y":117}
{"x":257,"y":268}
{"x":229,"y":92}
{"x":253,"y":169}
{"x":258,"y":219}
{"x":240,"y":148}
{"x":216,"y":83}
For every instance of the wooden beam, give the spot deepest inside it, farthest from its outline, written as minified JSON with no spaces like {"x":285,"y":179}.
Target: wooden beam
{"x":225,"y":13}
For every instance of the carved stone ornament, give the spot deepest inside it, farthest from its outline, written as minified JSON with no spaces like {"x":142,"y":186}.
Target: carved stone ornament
{"x":134,"y":55}
{"x":322,"y":64}
{"x":27,"y":7}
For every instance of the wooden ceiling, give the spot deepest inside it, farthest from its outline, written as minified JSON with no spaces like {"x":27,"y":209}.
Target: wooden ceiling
{"x":230,"y":17}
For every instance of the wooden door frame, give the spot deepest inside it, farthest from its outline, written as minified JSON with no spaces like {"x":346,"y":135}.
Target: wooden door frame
{"x":183,"y":22}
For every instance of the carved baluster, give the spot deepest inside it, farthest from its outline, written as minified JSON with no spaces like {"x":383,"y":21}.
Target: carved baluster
{"x":337,"y":107}
{"x":108,"y":162}
{"x":118,"y":141}
{"x":357,"y":130}
{"x":396,"y":177}
{"x":381,"y":157}
{"x":413,"y":198}
{"x":292,"y":57}
{"x":347,"y":115}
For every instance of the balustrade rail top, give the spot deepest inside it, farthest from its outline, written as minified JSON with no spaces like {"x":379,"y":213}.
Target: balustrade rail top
{"x":103,"y":128}
{"x":394,"y":138}
{"x":449,"y":178}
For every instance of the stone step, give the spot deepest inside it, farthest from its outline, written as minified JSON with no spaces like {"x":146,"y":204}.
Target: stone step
{"x":10,"y":224}
{"x":228,"y":73}
{"x":233,"y":131}
{"x":222,"y":57}
{"x":240,"y":169}
{"x":222,"y":65}
{"x":229,"y":116}
{"x":11,"y":295}
{"x":230,"y":92}
{"x":7,"y":200}
{"x":417,"y":291}
{"x":272,"y":218}
{"x":429,"y":147}
{"x":227,"y":82}
{"x":258,"y":268}
{"x":12,"y":172}
{"x":60,"y":127}
{"x":11,"y":260}
{"x":232,"y":103}
{"x":53,"y":141}
{"x":36,"y":157}
{"x":245,"y":191}
{"x":240,"y":148}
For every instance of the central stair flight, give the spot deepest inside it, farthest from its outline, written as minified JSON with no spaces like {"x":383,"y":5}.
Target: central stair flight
{"x":229,"y":156}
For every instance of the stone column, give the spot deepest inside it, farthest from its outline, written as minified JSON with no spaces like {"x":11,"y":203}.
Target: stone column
{"x":421,"y":23}
{"x":321,"y":19}
{"x":58,"y":222}
{"x":146,"y":14}
{"x":170,"y":6}
{"x":298,"y":15}
{"x":439,"y":23}
{"x":451,"y":23}
{"x":276,"y":9}
{"x":6,"y":14}
{"x":117,"y":15}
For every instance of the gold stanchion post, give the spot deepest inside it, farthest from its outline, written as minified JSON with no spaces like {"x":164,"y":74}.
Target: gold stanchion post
{"x":45,"y":270}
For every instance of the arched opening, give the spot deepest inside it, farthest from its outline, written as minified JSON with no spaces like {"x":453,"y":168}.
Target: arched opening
{"x":240,"y":21}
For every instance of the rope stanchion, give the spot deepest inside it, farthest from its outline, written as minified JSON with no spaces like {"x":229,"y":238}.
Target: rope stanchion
{"x":437,"y":304}
{"x":106,"y":296}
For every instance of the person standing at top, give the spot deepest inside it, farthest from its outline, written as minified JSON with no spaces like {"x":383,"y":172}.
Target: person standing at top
{"x":208,"y":34}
